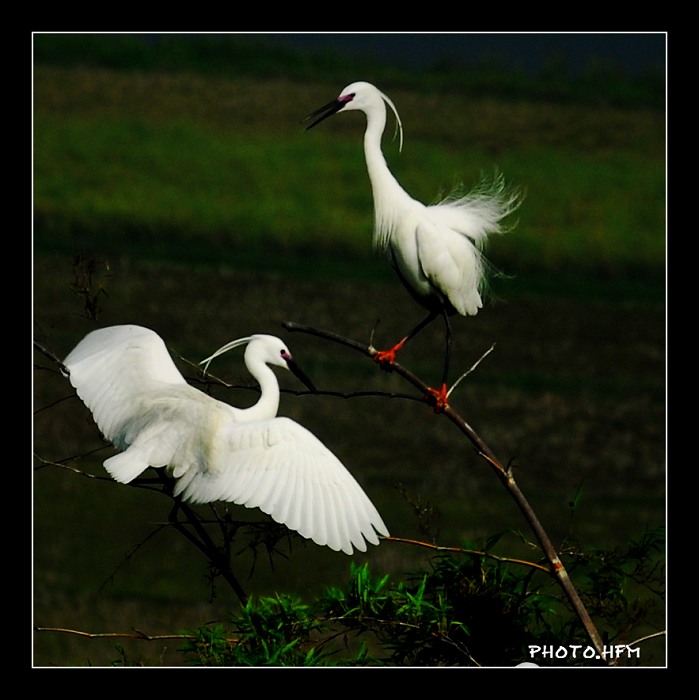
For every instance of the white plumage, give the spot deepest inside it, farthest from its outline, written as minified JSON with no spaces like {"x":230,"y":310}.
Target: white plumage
{"x":144,"y":406}
{"x":436,"y":250}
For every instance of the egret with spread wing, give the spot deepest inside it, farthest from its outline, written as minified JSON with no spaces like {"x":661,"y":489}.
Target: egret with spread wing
{"x":248,"y":456}
{"x":436,"y":250}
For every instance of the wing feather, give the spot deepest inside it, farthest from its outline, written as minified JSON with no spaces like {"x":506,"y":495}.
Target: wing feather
{"x":283,"y":469}
{"x":312,"y":518}
{"x":319,"y":520}
{"x":452,"y":264}
{"x":141,"y":402}
{"x":334,"y":525}
{"x":112,"y":366}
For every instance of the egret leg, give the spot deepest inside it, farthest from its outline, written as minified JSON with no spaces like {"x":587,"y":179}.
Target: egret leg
{"x":386,"y":358}
{"x":439,"y":396}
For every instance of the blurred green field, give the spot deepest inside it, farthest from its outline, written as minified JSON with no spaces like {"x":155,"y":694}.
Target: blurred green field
{"x":212,"y":214}
{"x":200,"y":169}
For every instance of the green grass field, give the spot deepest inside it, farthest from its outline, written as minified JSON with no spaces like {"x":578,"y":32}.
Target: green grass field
{"x":212,"y":215}
{"x":189,"y":168}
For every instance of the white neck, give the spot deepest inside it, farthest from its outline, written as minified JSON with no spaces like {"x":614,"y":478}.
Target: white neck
{"x":268,"y":403}
{"x":388,"y":194}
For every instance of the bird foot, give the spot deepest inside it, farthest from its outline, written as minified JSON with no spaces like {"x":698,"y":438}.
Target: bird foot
{"x":438,"y":398}
{"x":385,"y":358}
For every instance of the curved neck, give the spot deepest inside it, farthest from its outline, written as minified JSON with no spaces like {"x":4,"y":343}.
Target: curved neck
{"x":388,"y":194}
{"x":268,"y":403}
{"x":379,"y":172}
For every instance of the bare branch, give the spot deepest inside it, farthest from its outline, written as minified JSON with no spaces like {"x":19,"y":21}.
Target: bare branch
{"x":200,"y":538}
{"x":476,"y":552}
{"x":61,"y":465}
{"x":505,"y":475}
{"x":130,"y":554}
{"x":473,"y":367}
{"x":52,"y":357}
{"x":655,"y":635}
{"x":136,"y":634}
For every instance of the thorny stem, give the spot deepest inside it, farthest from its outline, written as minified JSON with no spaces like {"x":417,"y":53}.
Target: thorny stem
{"x":503,"y":473}
{"x":204,"y":543}
{"x":201,"y":539}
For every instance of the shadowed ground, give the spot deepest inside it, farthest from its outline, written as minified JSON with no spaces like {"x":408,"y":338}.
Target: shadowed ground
{"x":573,"y":392}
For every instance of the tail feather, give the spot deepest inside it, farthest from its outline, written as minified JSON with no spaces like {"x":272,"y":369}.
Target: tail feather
{"x":126,"y":466}
{"x":480,"y":212}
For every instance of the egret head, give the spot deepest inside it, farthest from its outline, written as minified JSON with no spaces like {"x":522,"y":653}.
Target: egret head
{"x":267,"y":349}
{"x":361,"y":96}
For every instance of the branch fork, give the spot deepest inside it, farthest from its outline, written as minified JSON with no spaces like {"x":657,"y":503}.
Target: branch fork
{"x":505,"y":474}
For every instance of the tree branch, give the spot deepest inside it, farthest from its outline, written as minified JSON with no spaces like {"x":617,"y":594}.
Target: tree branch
{"x":202,"y":541}
{"x":476,"y":552}
{"x":47,"y":353}
{"x":136,"y":634}
{"x":504,"y":473}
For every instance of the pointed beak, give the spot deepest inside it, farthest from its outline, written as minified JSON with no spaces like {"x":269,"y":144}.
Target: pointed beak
{"x":324,"y":112}
{"x":296,"y":370}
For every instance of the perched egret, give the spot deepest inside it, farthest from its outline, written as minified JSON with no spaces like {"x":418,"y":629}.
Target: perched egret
{"x":249,"y":456}
{"x":436,"y":250}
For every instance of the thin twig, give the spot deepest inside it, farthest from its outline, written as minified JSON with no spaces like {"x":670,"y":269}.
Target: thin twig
{"x":476,"y":552}
{"x":471,"y":369}
{"x":206,"y":545}
{"x":202,"y":541}
{"x":654,"y":635}
{"x":136,"y":634}
{"x":503,"y":473}
{"x":61,"y":465}
{"x":52,"y":357}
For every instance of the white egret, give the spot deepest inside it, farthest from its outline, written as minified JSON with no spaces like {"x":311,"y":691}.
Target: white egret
{"x":248,"y":456}
{"x":436,"y":250}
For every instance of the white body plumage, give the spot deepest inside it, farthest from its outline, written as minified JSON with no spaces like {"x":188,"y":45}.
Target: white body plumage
{"x":144,"y":406}
{"x":436,"y":249}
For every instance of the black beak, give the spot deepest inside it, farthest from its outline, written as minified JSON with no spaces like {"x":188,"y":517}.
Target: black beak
{"x":295,"y":369}
{"x":324,"y":112}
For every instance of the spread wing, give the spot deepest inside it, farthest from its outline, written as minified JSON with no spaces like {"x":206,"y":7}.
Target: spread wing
{"x":131,"y":356}
{"x":284,"y":470}
{"x":113,"y":371}
{"x":143,"y":405}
